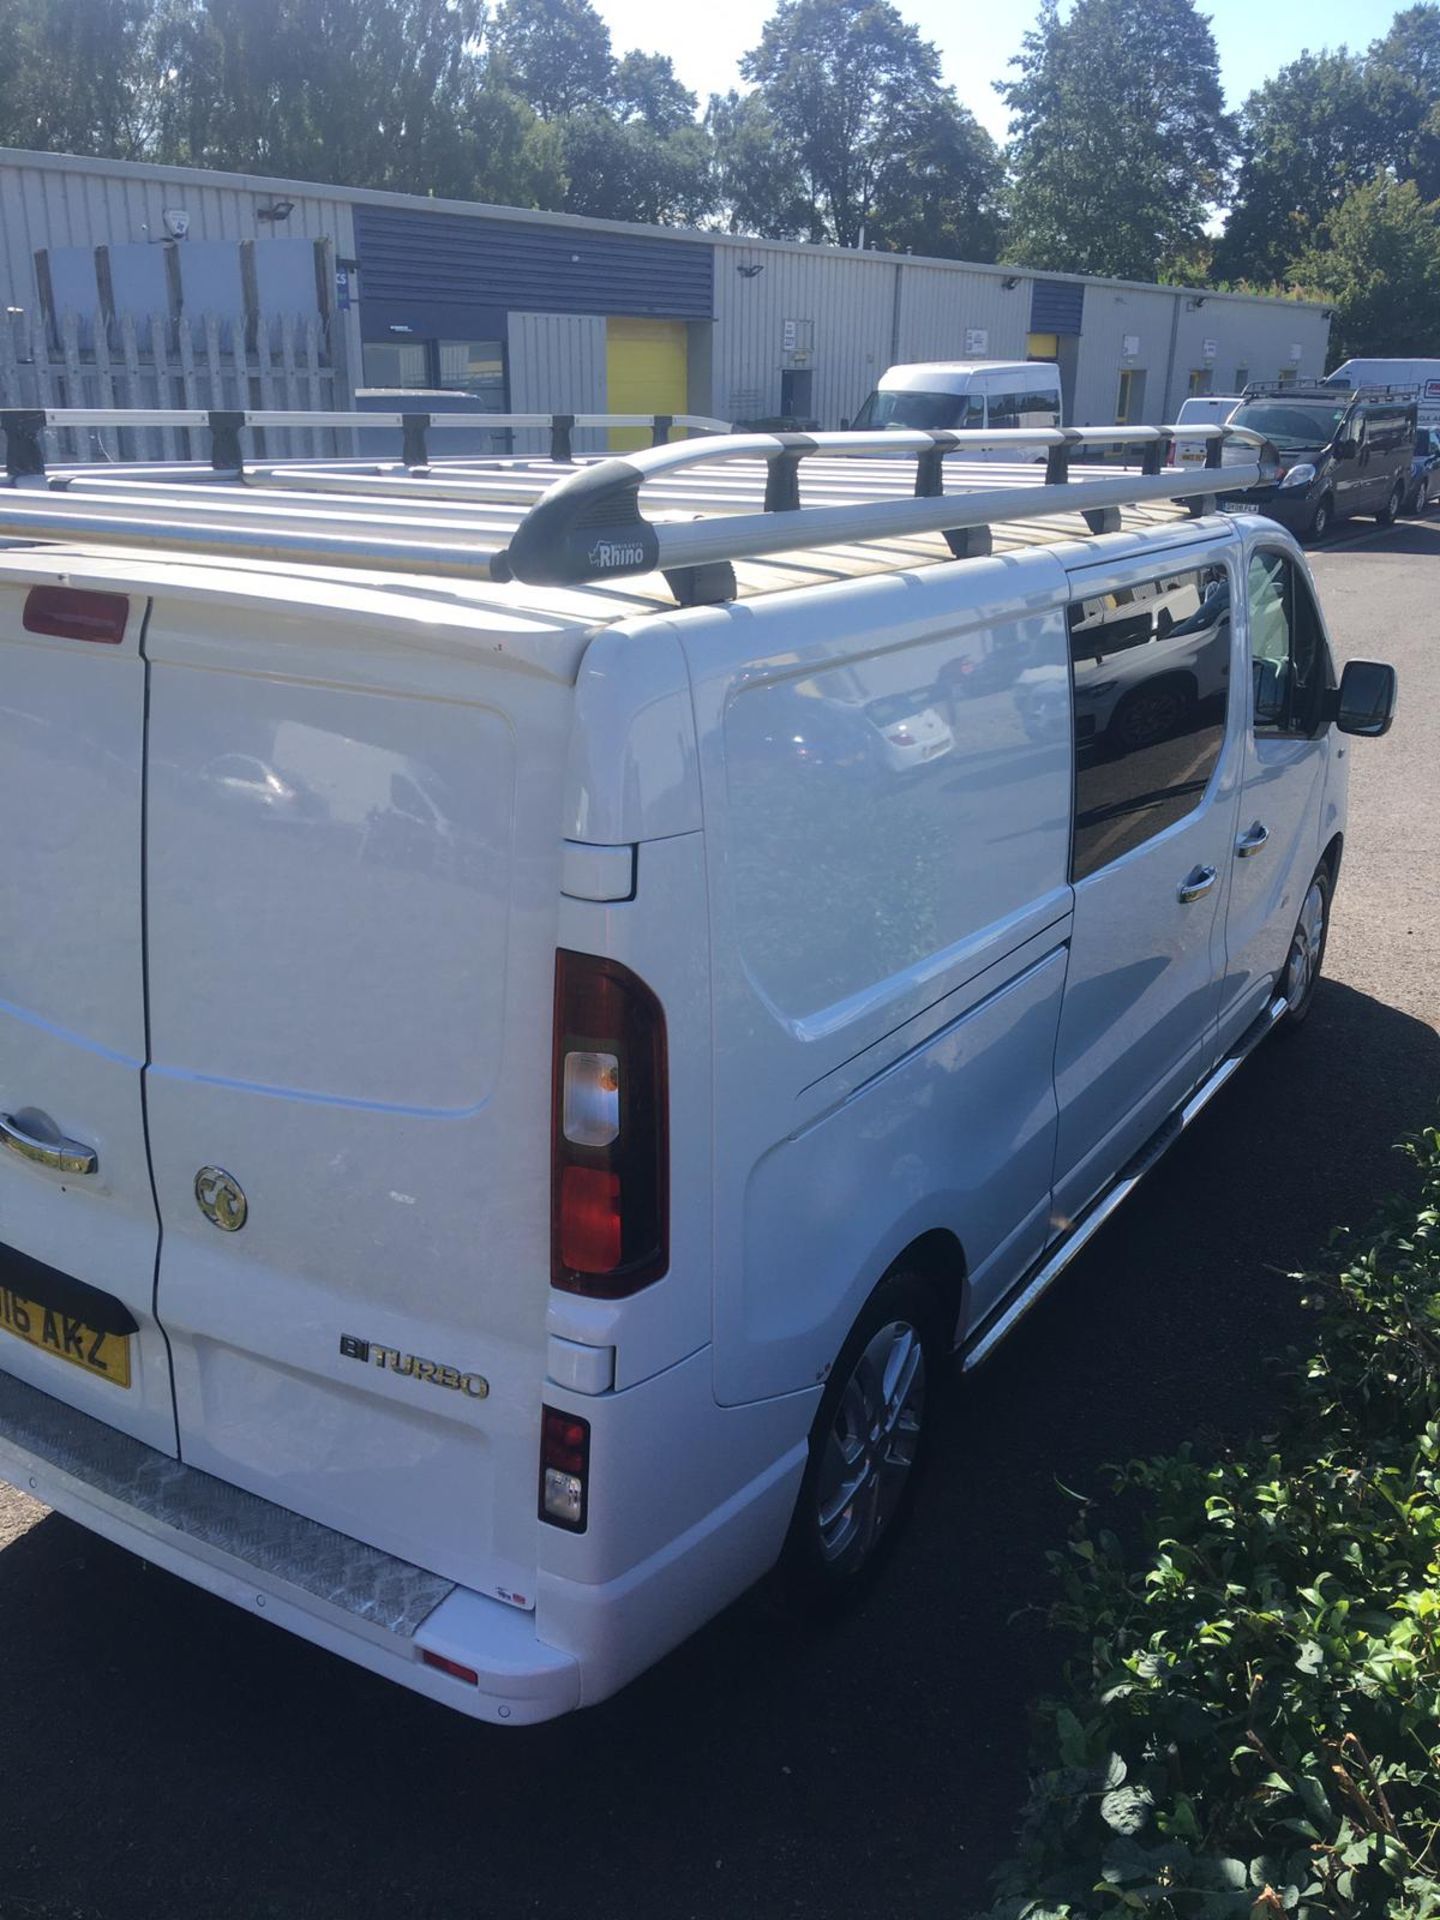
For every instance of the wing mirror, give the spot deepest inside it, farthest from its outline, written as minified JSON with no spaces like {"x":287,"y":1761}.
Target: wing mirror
{"x":1365,"y":701}
{"x":1347,"y":449}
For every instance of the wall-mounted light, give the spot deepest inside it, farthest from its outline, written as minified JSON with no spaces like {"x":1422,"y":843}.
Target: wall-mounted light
{"x":749,"y":272}
{"x":1198,"y":302}
{"x":276,"y":211}
{"x":1010,"y":282}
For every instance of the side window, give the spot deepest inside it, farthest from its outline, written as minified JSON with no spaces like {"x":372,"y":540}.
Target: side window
{"x":973,"y":418}
{"x":1287,"y":647}
{"x":1004,"y":410}
{"x":1151,"y":671}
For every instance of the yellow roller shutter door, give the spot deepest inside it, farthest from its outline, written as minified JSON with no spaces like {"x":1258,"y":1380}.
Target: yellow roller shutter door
{"x":645,"y":372}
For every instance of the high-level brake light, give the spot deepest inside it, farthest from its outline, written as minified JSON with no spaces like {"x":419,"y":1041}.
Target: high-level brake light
{"x":610,"y":1174}
{"x":73,"y":613}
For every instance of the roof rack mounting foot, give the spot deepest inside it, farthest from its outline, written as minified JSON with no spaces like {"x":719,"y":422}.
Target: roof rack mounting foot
{"x":704,"y":586}
{"x":226,"y":454}
{"x":1199,"y":504}
{"x":24,"y":454}
{"x":969,"y":543}
{"x":1102,"y":519}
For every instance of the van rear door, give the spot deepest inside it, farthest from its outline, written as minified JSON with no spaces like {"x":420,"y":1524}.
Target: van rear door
{"x":77,"y":1217}
{"x":351,"y":934}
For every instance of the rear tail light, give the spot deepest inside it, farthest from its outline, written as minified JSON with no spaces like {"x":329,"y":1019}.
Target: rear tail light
{"x":564,"y":1469}
{"x":610,"y":1131}
{"x":69,"y":613}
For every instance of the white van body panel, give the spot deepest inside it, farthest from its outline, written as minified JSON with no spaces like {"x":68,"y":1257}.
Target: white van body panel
{"x":976,"y":385}
{"x":1420,"y":376}
{"x":327,"y":837}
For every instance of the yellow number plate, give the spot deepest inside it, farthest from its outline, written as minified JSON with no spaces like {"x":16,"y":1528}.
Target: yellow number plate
{"x":104,"y":1354}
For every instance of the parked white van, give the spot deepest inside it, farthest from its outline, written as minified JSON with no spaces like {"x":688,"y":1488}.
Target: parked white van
{"x":532,"y":1029}
{"x":1418,"y":377}
{"x":966,"y":395}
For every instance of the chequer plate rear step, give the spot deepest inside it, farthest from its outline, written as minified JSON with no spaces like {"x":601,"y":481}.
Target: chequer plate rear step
{"x":223,"y":1524}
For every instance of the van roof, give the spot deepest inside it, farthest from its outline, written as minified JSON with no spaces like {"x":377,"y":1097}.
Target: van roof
{"x":911,"y":376}
{"x":502,"y":539}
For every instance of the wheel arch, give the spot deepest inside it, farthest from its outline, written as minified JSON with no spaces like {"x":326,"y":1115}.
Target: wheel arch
{"x":936,"y":1258}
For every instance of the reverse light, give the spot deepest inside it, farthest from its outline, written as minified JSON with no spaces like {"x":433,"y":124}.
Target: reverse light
{"x":70,"y":613}
{"x":564,"y":1468}
{"x":609,"y":1131}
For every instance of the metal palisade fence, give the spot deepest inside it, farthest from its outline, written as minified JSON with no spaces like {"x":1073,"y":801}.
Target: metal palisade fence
{"x":154,"y":361}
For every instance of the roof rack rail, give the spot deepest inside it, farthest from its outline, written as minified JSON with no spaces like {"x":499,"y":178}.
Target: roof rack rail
{"x":496,"y":519}
{"x":589,"y":527}
{"x":25,"y":457}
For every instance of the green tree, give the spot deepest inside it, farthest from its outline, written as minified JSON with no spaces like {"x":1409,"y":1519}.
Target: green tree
{"x":1381,"y":267}
{"x":626,"y":171}
{"x":843,"y":84}
{"x":1309,"y":137}
{"x":68,"y":76}
{"x":1119,"y":138}
{"x":756,"y":186}
{"x":940,"y":193}
{"x":553,"y":53}
{"x":646,"y":88}
{"x":368,"y":92}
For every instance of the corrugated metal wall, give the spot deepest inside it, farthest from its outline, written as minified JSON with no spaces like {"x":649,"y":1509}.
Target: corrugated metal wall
{"x":849,"y":299}
{"x":1249,"y":336}
{"x":557,"y":365}
{"x":939,"y":305}
{"x":1113,"y":315}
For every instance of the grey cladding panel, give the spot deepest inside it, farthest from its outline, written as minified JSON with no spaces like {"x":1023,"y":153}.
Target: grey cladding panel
{"x":415,"y":260}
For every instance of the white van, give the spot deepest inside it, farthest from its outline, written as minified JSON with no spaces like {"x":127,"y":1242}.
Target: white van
{"x":1418,"y":377}
{"x":531,"y":1030}
{"x":1201,"y":409}
{"x":966,"y":395}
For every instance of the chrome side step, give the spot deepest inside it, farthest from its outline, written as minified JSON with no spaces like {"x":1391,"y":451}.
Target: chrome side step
{"x":1028,"y":1290}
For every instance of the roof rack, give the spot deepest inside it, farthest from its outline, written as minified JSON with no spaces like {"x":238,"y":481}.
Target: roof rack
{"x":1323,"y":390}
{"x":716,"y":500}
{"x":25,"y":457}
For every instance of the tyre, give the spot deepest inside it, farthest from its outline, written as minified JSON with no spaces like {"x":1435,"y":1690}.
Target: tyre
{"x":1415,"y":500}
{"x":1301,"y":973}
{"x":867,"y":1447}
{"x":1321,"y":519}
{"x":1390,"y":512}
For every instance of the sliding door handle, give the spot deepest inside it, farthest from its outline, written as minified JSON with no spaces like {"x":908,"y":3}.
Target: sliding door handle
{"x":1196,"y":883}
{"x":63,"y":1156}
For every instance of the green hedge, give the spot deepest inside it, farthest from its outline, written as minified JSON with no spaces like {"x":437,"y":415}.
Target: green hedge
{"x":1253,"y":1724}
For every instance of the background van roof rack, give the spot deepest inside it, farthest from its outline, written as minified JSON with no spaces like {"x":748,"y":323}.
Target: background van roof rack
{"x":715,"y":499}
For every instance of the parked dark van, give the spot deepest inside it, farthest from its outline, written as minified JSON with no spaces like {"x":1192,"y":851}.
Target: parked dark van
{"x":1341,"y":452}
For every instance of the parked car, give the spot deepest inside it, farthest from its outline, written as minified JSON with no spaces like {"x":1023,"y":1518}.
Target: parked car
{"x":528,"y":1056}
{"x":1341,"y":453}
{"x":1424,"y":471}
{"x":1200,"y":410}
{"x":967,"y":395}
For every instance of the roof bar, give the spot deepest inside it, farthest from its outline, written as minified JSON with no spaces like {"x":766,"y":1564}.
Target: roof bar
{"x":588,"y":526}
{"x":25,"y":459}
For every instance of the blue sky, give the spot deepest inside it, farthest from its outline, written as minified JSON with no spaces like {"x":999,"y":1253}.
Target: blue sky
{"x":976,"y":39}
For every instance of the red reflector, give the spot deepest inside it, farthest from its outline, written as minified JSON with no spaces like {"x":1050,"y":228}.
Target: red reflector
{"x":70,"y":614}
{"x":452,"y":1667}
{"x":590,"y":1224}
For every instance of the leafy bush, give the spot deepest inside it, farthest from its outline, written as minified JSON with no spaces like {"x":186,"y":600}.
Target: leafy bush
{"x":1254,"y":1726}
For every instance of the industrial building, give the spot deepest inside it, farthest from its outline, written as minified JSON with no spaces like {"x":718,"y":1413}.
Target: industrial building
{"x":526,"y":311}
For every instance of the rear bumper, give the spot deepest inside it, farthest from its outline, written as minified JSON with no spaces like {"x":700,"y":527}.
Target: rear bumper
{"x":351,"y":1599}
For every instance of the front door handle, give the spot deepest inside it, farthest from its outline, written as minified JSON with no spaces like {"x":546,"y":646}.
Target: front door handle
{"x":1249,"y":844}
{"x":1197,"y":882}
{"x":64,"y":1156}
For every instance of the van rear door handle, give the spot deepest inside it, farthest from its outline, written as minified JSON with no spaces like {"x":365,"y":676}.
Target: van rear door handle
{"x":1249,"y":844}
{"x":1197,"y":882}
{"x":64,"y":1156}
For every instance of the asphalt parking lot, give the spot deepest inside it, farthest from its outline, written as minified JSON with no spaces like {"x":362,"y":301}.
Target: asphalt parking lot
{"x":168,"y":1755}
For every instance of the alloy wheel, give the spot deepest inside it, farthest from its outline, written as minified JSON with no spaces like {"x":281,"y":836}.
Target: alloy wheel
{"x":1305,"y":948}
{"x":872,"y":1446}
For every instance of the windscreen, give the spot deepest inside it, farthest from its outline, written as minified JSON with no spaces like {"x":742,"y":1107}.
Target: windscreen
{"x":932,"y":412}
{"x":1289,"y":424}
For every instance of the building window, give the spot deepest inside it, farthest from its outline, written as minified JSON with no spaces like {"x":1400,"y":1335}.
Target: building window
{"x":1150,"y":666}
{"x":396,"y":363}
{"x":1130,"y":401}
{"x":1242,"y":379}
{"x":1199,"y":381}
{"x":1287,"y":376}
{"x":476,"y":367}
